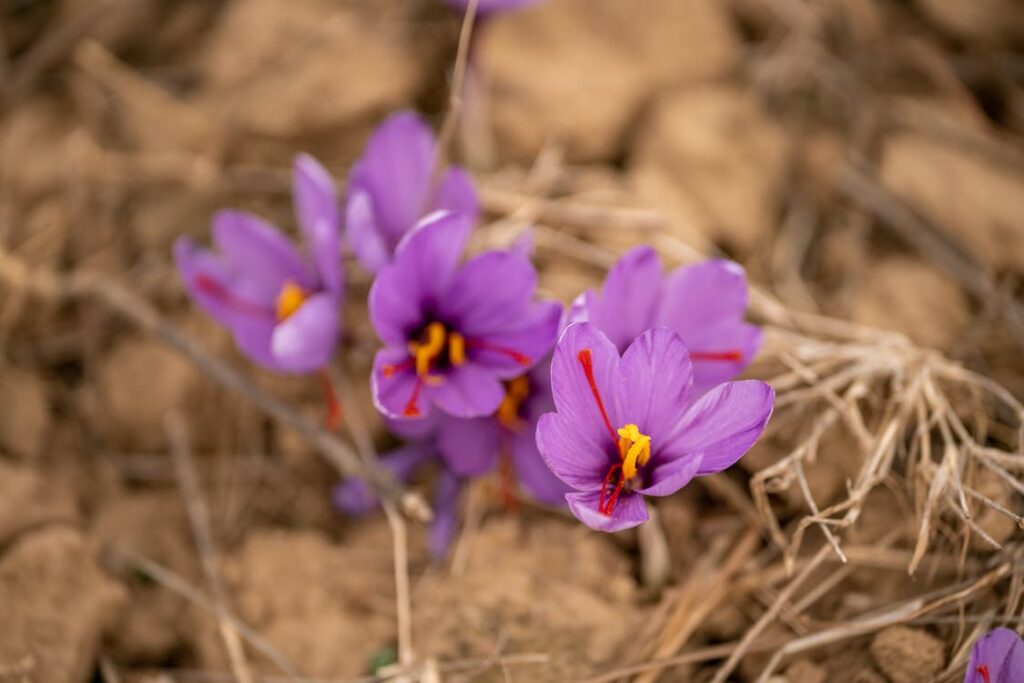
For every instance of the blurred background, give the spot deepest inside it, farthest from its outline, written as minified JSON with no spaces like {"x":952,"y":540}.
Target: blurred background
{"x":862,"y":159}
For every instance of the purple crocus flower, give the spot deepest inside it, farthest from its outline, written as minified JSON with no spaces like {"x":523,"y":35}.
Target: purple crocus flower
{"x":354,"y":497}
{"x":997,"y":657}
{"x":393,"y":186}
{"x":633,"y":426}
{"x":454,"y":333}
{"x":280,"y":305}
{"x":704,"y":303}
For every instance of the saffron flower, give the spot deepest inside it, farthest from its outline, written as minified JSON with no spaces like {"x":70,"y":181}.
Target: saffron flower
{"x":281,"y":305}
{"x":393,"y":186}
{"x":354,"y":497}
{"x":454,"y":332}
{"x":997,"y":657}
{"x":704,"y":303}
{"x":632,"y":426}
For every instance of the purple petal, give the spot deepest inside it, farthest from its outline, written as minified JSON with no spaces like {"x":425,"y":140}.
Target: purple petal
{"x":415,"y":430}
{"x":467,"y":391}
{"x":456,"y":192}
{"x":630,"y":511}
{"x":253,"y":338}
{"x":488,"y":291}
{"x":721,"y":425}
{"x":392,"y":395}
{"x":397,"y":167}
{"x":574,"y":394}
{"x":656,"y":382}
{"x":628,"y":301}
{"x":412,"y":284}
{"x":355,"y":497}
{"x":366,"y":240}
{"x":446,"y":514}
{"x":1002,"y":651}
{"x":306,"y":340}
{"x":705,"y":303}
{"x":668,"y":475}
{"x":469,"y":446}
{"x":488,"y":6}
{"x":255,"y":248}
{"x":528,"y":338}
{"x":580,"y":463}
{"x":316,"y":207}
{"x":534,"y":476}
{"x":217,"y":297}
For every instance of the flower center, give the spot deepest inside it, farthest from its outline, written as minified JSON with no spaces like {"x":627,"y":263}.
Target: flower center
{"x":633,"y":447}
{"x":437,"y":347}
{"x":516,"y":392}
{"x":288,"y":300}
{"x":983,"y":670}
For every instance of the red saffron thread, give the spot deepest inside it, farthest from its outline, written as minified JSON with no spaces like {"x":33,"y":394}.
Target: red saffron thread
{"x":412,"y":408}
{"x":588,"y":369}
{"x":483,"y":345}
{"x":333,"y":417}
{"x":983,"y":670}
{"x":390,"y":369}
{"x":731,"y":355}
{"x":218,"y":291}
{"x":606,"y":503}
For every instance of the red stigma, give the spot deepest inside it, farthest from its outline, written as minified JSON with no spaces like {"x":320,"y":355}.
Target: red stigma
{"x":483,"y":345}
{"x":588,"y":369}
{"x":983,"y":670}
{"x":606,"y":503}
{"x":412,"y":408}
{"x":208,"y":285}
{"x":333,"y":416}
{"x":733,"y":355}
{"x":391,"y":369}
{"x":508,"y":483}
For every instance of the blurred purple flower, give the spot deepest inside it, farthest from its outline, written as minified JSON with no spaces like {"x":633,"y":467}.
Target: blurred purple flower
{"x":997,"y":657}
{"x":704,"y":303}
{"x":489,"y":6}
{"x":473,"y":447}
{"x":281,"y":306}
{"x":631,"y":427}
{"x":452,"y":332}
{"x":390,"y":189}
{"x":354,"y":497}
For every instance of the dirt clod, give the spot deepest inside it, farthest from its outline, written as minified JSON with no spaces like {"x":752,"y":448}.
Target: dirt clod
{"x":57,"y":605}
{"x":907,"y":655}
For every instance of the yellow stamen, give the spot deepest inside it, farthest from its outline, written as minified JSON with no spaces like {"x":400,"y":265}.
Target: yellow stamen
{"x":516,"y":392}
{"x":289,"y":299}
{"x":427,"y":352}
{"x":634,"y":449}
{"x":456,"y":349}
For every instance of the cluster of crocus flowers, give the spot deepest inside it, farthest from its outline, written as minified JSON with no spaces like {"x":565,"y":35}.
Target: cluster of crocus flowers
{"x":635,"y":399}
{"x":632,"y":425}
{"x":997,"y":657}
{"x":282,"y":305}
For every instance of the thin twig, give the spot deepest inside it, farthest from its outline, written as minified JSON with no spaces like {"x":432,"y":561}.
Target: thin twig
{"x":455,"y":101}
{"x":199,"y":519}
